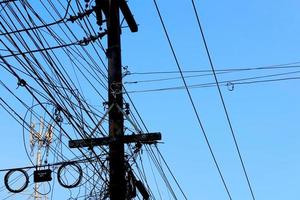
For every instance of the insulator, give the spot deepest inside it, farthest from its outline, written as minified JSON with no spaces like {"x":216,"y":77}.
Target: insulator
{"x":101,"y":8}
{"x":22,"y":82}
{"x":87,"y":3}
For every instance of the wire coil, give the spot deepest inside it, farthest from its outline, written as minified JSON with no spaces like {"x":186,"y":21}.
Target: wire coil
{"x":76,"y":182}
{"x":6,"y":180}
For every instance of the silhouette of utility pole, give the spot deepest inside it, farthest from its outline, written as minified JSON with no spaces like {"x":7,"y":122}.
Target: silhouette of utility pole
{"x":117,"y":167}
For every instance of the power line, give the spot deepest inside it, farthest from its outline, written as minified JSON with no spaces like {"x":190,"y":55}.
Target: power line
{"x":290,"y":65}
{"x":151,"y":151}
{"x":226,"y":83}
{"x":52,"y":84}
{"x":191,"y":100}
{"x":202,"y":75}
{"x":37,"y":70}
{"x":222,"y":98}
{"x":7,"y":1}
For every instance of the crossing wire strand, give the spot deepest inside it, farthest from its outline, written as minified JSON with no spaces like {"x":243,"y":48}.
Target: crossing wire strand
{"x":192,"y":101}
{"x":149,"y":149}
{"x":34,"y":166}
{"x":290,"y":65}
{"x":50,"y":115}
{"x":30,"y":52}
{"x":222,"y":99}
{"x":233,"y":82}
{"x":208,"y":74}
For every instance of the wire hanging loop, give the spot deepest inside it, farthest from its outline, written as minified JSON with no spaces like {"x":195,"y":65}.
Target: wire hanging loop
{"x":7,"y":180}
{"x":76,"y":167}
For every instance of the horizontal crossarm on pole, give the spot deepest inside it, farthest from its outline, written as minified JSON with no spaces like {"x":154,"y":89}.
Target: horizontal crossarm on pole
{"x":142,"y":138}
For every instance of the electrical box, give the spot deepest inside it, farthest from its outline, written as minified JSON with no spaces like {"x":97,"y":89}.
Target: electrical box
{"x":42,"y":175}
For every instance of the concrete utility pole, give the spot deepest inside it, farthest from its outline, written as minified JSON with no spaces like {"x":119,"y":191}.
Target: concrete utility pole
{"x":117,"y":190}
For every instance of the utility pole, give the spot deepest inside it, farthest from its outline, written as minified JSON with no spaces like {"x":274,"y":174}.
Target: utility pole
{"x":117,"y":190}
{"x":117,"y":165}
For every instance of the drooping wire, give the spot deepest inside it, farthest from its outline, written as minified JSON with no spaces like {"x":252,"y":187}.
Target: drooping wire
{"x":241,"y":81}
{"x":222,"y":99}
{"x":191,"y":100}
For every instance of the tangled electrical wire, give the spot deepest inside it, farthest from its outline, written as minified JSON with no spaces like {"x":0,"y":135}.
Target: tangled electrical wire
{"x":35,"y":48}
{"x":16,"y":174}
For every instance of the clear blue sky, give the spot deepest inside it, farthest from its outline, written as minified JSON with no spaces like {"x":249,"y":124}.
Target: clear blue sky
{"x":240,"y":34}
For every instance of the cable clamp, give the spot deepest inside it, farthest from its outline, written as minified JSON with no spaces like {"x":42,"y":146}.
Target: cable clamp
{"x":22,"y":83}
{"x":230,"y":86}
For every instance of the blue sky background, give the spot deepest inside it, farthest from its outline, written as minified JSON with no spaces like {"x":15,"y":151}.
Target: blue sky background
{"x":240,"y":34}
